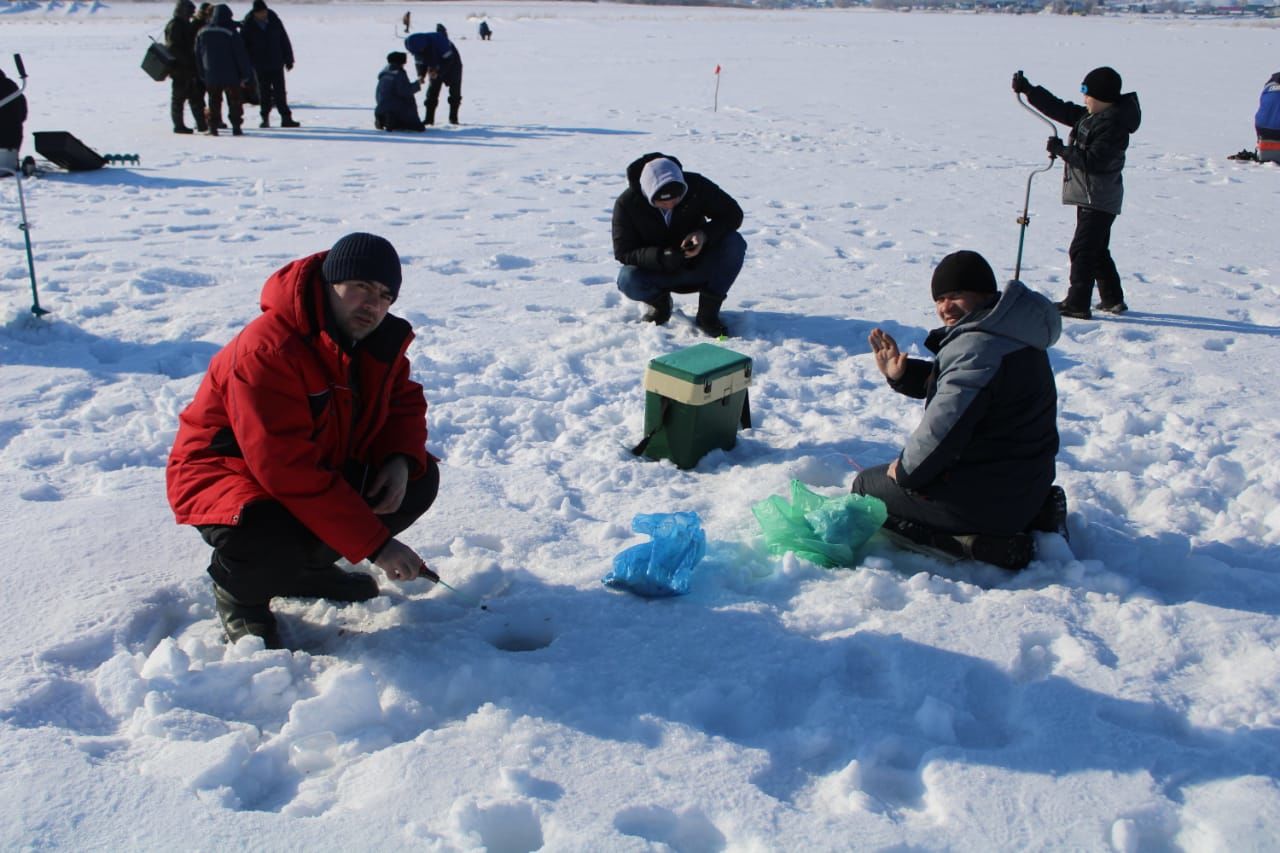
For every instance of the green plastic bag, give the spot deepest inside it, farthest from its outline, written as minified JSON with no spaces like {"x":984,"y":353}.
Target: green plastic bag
{"x":825,"y":531}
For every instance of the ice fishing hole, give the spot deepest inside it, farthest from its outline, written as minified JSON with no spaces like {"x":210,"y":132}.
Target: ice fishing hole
{"x":522,"y":637}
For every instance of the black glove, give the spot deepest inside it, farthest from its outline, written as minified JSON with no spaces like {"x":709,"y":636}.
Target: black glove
{"x":1021,"y":84}
{"x":1054,"y":146}
{"x":671,"y":260}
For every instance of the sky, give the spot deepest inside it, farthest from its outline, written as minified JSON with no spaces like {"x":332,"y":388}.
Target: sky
{"x":1120,"y":694}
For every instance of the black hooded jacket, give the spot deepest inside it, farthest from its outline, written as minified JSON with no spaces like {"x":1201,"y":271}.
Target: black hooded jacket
{"x":642,"y":238}
{"x":268,"y":44}
{"x":180,"y":38}
{"x":1094,"y":155}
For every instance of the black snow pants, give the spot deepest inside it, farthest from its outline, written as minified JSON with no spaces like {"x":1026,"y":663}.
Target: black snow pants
{"x":263,"y":554}
{"x":1090,"y":255}
{"x":187,"y":91}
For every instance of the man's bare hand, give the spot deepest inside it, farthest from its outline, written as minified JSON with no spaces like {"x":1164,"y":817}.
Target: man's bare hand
{"x":693,"y":243}
{"x":891,"y":362}
{"x":401,"y":563}
{"x":387,"y":489}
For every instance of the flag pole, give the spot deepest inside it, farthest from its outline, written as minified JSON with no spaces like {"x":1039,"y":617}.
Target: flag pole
{"x":715,"y":105}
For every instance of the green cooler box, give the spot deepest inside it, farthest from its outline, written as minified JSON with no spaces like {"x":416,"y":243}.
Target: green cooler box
{"x":694,"y":402}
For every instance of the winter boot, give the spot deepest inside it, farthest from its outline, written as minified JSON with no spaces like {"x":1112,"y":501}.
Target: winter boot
{"x":659,"y":310}
{"x":1071,"y":311}
{"x":287,"y":121}
{"x":708,"y":318}
{"x":454,"y":103}
{"x":183,"y":129}
{"x":947,"y":546}
{"x":266,"y":122}
{"x":431,"y":114}
{"x":1116,"y":308}
{"x":236,"y":131}
{"x":1052,"y":517}
{"x":331,"y":583}
{"x":1007,"y":552}
{"x":240,"y":619}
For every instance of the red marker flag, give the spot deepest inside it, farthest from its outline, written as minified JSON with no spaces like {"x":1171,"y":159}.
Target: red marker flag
{"x":717,"y":71}
{"x":715,"y":104}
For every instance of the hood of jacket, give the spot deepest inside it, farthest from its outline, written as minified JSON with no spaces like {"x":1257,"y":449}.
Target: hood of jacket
{"x":184,"y":9}
{"x":1020,"y":315}
{"x":1126,"y":111}
{"x":222,"y":16}
{"x":295,"y":292}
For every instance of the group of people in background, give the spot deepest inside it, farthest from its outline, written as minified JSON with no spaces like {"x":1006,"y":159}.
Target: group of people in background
{"x":217,"y":58}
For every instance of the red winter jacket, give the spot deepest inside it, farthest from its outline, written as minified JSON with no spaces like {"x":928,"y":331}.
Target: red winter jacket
{"x":284,"y":408}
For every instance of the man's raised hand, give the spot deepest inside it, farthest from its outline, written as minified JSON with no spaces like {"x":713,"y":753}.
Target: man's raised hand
{"x":889,"y":359}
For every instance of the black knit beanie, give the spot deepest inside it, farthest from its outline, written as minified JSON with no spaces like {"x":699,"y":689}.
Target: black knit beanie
{"x":366,"y":257}
{"x":397,"y":57}
{"x":963,"y":270}
{"x":1102,"y":84}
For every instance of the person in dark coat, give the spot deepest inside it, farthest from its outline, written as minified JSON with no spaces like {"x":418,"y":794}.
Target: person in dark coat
{"x":180,"y":38}
{"x":676,"y":232}
{"x":486,"y":32}
{"x":306,"y":441}
{"x":271,"y":54}
{"x":437,"y":59}
{"x":1267,"y":121}
{"x":978,"y":471}
{"x":395,"y":107}
{"x":223,"y":65}
{"x":1092,"y":158}
{"x":12,"y":116}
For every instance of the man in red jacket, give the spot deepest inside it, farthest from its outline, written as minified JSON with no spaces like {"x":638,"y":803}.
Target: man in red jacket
{"x":306,"y":441}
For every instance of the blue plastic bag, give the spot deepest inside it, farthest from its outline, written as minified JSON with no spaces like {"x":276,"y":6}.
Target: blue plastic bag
{"x":825,"y":531}
{"x":664,"y":566}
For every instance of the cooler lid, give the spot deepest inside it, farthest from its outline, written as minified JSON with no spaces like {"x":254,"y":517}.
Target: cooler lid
{"x":701,"y":363}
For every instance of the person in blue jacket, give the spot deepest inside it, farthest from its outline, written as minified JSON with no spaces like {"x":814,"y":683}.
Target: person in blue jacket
{"x":977,"y":473}
{"x":223,"y":65}
{"x":395,"y":108}
{"x":437,"y":59}
{"x":271,"y":53}
{"x":1267,"y":121}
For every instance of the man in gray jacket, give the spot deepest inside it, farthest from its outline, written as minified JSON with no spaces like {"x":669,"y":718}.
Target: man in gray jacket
{"x":977,"y":473}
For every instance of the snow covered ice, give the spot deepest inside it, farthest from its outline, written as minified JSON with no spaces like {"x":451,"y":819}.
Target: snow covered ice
{"x":1121,"y":694}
